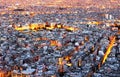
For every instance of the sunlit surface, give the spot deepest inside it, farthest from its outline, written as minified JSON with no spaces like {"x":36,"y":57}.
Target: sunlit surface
{"x":59,"y":38}
{"x":109,"y":48}
{"x":37,"y":26}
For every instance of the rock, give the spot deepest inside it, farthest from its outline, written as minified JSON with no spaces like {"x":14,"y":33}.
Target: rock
{"x":28,"y":71}
{"x":97,"y":75}
{"x":114,"y":66}
{"x":76,"y":44}
{"x":100,"y":53}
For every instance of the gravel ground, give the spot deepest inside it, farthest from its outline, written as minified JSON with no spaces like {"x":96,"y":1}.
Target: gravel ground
{"x":76,"y":54}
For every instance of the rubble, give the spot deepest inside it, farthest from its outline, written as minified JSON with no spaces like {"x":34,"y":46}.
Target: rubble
{"x":56,"y":50}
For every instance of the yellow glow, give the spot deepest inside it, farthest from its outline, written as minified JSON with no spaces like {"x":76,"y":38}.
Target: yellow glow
{"x":59,"y":26}
{"x":109,"y":49}
{"x":67,"y":58}
{"x":70,"y":28}
{"x":33,"y":26}
{"x":53,"y":42}
{"x":69,"y":64}
{"x":60,"y":61}
{"x":51,"y":27}
{"x":22,"y":28}
{"x":94,"y":23}
{"x":37,"y":26}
